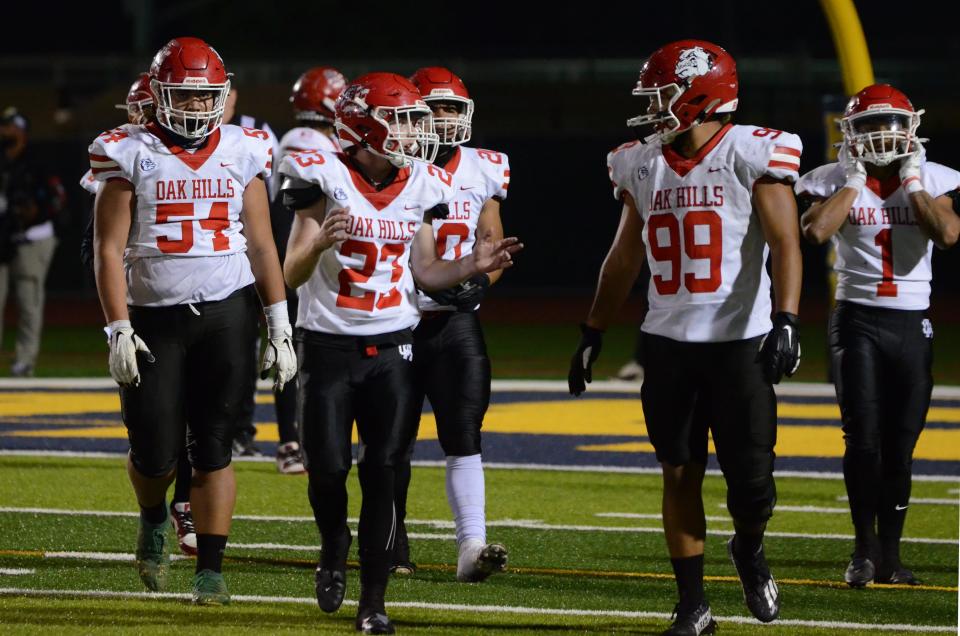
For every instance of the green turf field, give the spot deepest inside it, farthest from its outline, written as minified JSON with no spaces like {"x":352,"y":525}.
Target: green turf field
{"x":517,"y":351}
{"x":575,"y":565}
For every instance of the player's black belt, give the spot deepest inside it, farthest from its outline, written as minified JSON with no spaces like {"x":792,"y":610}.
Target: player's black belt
{"x":353,"y":343}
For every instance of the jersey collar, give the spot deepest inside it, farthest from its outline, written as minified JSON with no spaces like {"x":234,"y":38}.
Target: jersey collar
{"x":194,"y":160}
{"x":379,"y":196}
{"x":682,"y":165}
{"x":884,"y":188}
{"x":453,"y":162}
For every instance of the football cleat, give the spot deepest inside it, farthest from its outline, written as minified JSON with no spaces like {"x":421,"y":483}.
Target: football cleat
{"x":374,"y":622}
{"x":692,"y":623}
{"x":401,"y":564}
{"x":631,"y":372}
{"x":859,"y":572}
{"x":152,"y":559}
{"x":182,"y":520}
{"x":760,"y":591}
{"x":243,"y":445}
{"x":209,"y":588}
{"x":290,"y":459}
{"x":895,"y":576}
{"x":477,"y":560}
{"x":330,"y":577}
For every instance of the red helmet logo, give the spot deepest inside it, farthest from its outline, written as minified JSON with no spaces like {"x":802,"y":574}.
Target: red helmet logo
{"x":384,"y":113}
{"x":315,"y":94}
{"x":880,"y":125}
{"x":687,"y":82}
{"x":439,"y":85}
{"x":139,"y":97}
{"x":191,"y":87}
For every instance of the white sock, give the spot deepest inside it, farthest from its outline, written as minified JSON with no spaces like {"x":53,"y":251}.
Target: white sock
{"x":465,"y":494}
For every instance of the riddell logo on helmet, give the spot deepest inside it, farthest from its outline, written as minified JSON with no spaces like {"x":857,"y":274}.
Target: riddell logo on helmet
{"x":195,"y":80}
{"x":693,"y":63}
{"x":878,"y":106}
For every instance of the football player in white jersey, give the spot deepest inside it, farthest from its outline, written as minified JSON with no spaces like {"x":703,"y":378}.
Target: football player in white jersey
{"x":182,"y":237}
{"x":314,"y":97}
{"x":451,"y":363}
{"x":139,"y":106}
{"x":884,"y":206}
{"x":705,"y":202}
{"x":360,"y":237}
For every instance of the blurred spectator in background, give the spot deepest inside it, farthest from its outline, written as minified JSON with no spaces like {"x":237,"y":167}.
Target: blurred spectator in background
{"x":30,"y":201}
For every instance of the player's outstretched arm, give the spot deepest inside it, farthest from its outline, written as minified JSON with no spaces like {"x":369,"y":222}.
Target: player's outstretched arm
{"x":617,"y":275}
{"x":113,"y":212}
{"x":777,"y":210}
{"x":432,"y":273}
{"x":261,"y":250}
{"x":620,"y":268}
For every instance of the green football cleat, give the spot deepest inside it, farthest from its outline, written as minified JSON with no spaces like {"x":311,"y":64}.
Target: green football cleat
{"x":152,"y":559}
{"x":209,"y":588}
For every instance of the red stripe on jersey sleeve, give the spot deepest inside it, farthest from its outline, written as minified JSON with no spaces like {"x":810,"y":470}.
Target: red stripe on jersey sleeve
{"x":783,"y":164}
{"x":786,"y":150}
{"x":103,"y":170}
{"x":94,"y":157}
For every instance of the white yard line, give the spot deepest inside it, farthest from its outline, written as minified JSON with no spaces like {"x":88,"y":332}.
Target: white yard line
{"x":649,"y":515}
{"x":529,"y":524}
{"x":586,"y":468}
{"x":924,"y":501}
{"x":484,"y":609}
{"x":16,"y":571}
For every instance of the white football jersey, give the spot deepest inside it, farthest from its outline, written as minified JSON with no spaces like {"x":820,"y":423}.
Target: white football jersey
{"x":89,"y":182}
{"x":883,"y":257}
{"x":185,"y":243}
{"x":478,"y":176}
{"x":364,"y":286}
{"x":704,"y":243}
{"x":306,"y":138}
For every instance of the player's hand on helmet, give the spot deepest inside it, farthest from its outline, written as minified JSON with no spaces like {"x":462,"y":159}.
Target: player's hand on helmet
{"x":333,"y":230}
{"x":490,"y":255}
{"x":581,"y":365}
{"x":910,"y":175}
{"x":779,"y":352}
{"x":853,"y":169}
{"x":124,"y":345}
{"x":279,"y":354}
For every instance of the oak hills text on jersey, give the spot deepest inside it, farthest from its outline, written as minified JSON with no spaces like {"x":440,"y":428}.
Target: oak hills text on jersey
{"x":686,"y":197}
{"x":176,"y":189}
{"x":893,"y":215}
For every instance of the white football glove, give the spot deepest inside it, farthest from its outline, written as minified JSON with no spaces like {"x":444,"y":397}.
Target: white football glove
{"x":124,"y":345}
{"x":910,"y":175}
{"x":279,"y":353}
{"x":853,"y":169}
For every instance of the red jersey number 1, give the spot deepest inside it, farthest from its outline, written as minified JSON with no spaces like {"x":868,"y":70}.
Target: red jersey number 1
{"x":884,"y":240}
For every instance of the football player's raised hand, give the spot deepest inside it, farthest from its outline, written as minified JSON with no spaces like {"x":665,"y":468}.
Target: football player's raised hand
{"x":490,"y":255}
{"x":124,"y":345}
{"x":333,"y":230}
{"x":581,"y":365}
{"x":910,"y":169}
{"x":853,"y":169}
{"x":779,"y":352}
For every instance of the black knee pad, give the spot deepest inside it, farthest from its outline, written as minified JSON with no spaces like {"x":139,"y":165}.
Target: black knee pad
{"x":461,"y":442}
{"x":751,"y":500}
{"x":209,"y":452}
{"x":152,"y":465}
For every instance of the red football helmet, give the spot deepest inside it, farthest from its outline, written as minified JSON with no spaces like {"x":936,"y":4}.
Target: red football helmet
{"x":139,"y":97}
{"x":687,"y":82}
{"x":384,"y":113}
{"x":880,"y":125}
{"x":438,"y":84}
{"x":189,"y":72}
{"x":315,"y":94}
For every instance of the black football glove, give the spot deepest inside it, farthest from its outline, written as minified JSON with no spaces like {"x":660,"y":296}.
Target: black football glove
{"x":581,"y":365}
{"x":443,"y":297}
{"x":779,"y":352}
{"x":471,"y":291}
